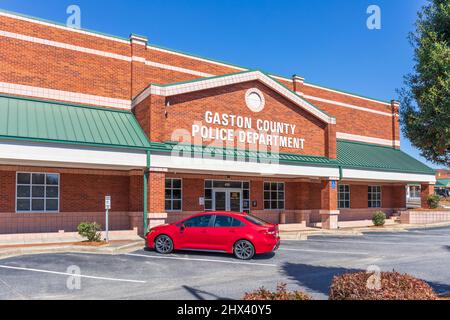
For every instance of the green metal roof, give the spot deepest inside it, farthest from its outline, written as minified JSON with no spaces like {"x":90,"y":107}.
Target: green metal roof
{"x":351,"y":155}
{"x":373,"y":157}
{"x":240,"y":154}
{"x":443,"y":183}
{"x":44,"y":121}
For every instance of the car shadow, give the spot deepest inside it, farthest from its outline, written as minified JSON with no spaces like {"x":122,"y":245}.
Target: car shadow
{"x":315,"y":278}
{"x":319,"y":278}
{"x":207,"y":254}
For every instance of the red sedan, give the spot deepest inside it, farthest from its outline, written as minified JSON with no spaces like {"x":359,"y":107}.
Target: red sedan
{"x":236,"y":233}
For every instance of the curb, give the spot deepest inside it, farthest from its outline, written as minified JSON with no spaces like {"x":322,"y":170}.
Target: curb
{"x":126,"y":248}
{"x":303,"y":235}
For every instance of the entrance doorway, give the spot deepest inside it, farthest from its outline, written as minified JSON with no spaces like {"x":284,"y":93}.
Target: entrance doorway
{"x":227,"y":200}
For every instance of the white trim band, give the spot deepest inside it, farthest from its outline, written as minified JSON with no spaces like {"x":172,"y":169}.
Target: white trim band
{"x":366,"y":139}
{"x":205,"y":165}
{"x":354,"y":174}
{"x":100,"y":53}
{"x":55,"y":25}
{"x":42,"y":154}
{"x":178,"y":69}
{"x":346,"y":105}
{"x":67,"y":96}
{"x":346,"y":94}
{"x":62,"y":45}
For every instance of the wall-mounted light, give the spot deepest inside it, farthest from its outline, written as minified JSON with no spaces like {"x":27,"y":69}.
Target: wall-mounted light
{"x":166,"y":114}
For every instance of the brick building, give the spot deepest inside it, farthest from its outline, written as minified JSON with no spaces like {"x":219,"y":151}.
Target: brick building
{"x":166,"y":134}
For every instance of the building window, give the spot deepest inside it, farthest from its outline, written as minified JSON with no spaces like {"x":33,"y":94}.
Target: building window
{"x":414,"y":192}
{"x":37,"y":192}
{"x":173,"y":194}
{"x":273,"y":195}
{"x":374,"y":196}
{"x":344,"y":196}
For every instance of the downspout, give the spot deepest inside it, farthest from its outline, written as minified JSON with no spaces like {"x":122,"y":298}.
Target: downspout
{"x":340,"y":173}
{"x":146,"y":175}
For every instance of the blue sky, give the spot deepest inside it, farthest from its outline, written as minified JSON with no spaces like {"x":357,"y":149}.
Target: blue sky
{"x":327,"y":41}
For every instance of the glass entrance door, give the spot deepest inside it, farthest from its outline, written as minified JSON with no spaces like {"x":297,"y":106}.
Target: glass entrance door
{"x":227,"y":200}
{"x":234,"y":201}
{"x":220,"y":200}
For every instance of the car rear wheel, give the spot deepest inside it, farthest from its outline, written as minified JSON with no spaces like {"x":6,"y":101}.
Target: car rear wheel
{"x":244,"y":250}
{"x":163,"y":244}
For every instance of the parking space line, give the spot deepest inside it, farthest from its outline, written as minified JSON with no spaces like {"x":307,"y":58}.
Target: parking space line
{"x":420,"y":235}
{"x":70,"y":274}
{"x":326,"y":251}
{"x":374,"y":242}
{"x":201,"y":260}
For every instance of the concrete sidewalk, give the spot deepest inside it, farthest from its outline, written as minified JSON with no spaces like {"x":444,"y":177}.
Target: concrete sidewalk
{"x":111,"y":248}
{"x":302,"y":234}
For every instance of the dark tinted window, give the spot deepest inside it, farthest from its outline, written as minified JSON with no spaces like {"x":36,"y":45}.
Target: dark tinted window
{"x":238,"y":223}
{"x":198,"y":221}
{"x":223,"y":221}
{"x":255,"y":220}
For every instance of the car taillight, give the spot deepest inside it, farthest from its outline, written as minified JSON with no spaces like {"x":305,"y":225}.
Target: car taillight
{"x":272,"y":231}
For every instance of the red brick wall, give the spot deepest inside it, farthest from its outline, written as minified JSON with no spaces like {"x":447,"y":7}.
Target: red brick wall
{"x":135,"y":193}
{"x":192,"y":190}
{"x":82,"y":195}
{"x":46,"y":66}
{"x":86,"y":193}
{"x":79,"y":192}
{"x":43,"y":66}
{"x":7,"y":191}
{"x":156,"y":192}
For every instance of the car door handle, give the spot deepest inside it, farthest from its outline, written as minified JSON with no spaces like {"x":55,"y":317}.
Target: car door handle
{"x":204,"y":231}
{"x":233,"y":231}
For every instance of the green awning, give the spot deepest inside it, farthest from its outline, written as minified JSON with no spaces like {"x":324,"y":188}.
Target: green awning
{"x":350,"y":155}
{"x":355,"y":155}
{"x":44,"y":121}
{"x":238,"y":154}
{"x":443,"y":183}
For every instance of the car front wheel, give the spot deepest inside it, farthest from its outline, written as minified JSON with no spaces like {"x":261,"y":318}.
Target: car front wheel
{"x":244,"y":250}
{"x":163,"y":244}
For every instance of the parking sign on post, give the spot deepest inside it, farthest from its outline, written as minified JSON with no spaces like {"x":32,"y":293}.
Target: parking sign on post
{"x":107,"y":208}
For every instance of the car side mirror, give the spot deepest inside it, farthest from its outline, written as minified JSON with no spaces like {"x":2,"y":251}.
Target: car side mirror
{"x":182,"y":227}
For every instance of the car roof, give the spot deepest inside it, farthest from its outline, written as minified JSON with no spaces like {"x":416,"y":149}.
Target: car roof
{"x":222,"y":212}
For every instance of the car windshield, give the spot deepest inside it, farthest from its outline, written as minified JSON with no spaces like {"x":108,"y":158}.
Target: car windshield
{"x":255,"y":220}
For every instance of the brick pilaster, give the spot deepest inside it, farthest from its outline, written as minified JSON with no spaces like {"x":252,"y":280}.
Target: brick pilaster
{"x":328,"y":204}
{"x":298,"y":83}
{"x":138,"y":54}
{"x":426,"y":191}
{"x":395,"y":107}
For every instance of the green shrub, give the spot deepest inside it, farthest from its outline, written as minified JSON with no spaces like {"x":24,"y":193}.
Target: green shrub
{"x":379,"y":218}
{"x":433,"y":201}
{"x":89,"y":230}
{"x":280,"y":294}
{"x":393,"y":286}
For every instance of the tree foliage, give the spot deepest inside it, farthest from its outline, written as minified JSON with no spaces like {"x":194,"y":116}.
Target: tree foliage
{"x":425,"y":112}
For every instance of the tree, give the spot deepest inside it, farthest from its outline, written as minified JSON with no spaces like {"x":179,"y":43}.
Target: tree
{"x":425,"y":111}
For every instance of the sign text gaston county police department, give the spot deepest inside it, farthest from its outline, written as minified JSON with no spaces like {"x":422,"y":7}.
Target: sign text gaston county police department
{"x":248,"y":131}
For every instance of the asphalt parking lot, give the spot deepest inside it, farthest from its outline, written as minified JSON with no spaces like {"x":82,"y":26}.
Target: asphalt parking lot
{"x":307,"y":265}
